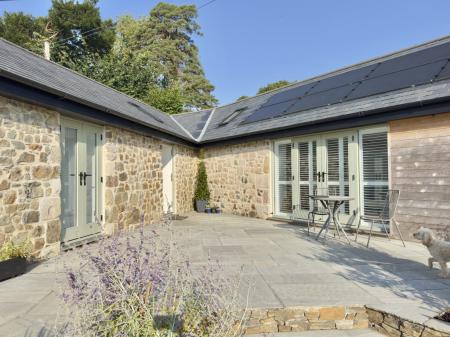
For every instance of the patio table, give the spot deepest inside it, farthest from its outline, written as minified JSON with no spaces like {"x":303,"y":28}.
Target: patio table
{"x":332,"y":203}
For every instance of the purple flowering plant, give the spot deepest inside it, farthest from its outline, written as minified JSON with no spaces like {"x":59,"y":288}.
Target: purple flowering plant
{"x":140,"y":284}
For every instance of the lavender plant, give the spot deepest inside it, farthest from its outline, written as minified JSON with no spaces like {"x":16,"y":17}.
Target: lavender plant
{"x":139,"y":284}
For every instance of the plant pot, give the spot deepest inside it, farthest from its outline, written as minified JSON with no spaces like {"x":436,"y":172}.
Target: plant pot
{"x":12,"y":267}
{"x":200,"y":205}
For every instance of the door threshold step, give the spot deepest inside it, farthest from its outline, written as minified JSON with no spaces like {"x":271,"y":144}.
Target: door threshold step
{"x":80,"y":242}
{"x":324,"y":333}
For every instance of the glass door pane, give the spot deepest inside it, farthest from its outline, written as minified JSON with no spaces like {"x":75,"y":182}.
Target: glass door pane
{"x":90,"y":179}
{"x":69,"y":177}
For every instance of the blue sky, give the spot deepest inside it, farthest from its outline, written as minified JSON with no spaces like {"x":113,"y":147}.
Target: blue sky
{"x":249,"y":43}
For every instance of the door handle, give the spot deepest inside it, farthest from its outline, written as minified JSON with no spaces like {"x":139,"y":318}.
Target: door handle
{"x":323,"y":177}
{"x":81,"y":178}
{"x":318,"y":177}
{"x":84,"y":177}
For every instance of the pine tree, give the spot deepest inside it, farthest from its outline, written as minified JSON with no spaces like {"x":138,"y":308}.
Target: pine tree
{"x":164,"y":40}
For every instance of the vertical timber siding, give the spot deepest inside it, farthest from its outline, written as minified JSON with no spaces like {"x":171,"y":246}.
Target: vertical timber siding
{"x":420,"y":169}
{"x":239,"y":178}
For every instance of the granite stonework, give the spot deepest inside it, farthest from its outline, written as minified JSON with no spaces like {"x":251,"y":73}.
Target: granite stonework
{"x":133,"y":179}
{"x":239,"y":178}
{"x":30,"y":176}
{"x":185,"y":174}
{"x":30,"y":158}
{"x":134,"y":182}
{"x":391,"y":324}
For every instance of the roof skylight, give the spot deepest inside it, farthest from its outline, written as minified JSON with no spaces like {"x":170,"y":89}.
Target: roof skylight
{"x":232,"y":116}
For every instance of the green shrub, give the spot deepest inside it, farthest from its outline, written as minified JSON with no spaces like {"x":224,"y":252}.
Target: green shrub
{"x":11,"y":250}
{"x":202,"y":190}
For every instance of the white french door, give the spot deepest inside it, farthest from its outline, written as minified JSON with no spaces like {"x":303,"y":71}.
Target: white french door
{"x":352,"y":163}
{"x":322,"y":163}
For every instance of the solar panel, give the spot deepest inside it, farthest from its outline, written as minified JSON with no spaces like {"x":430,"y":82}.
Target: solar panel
{"x":400,"y":72}
{"x":332,"y":96}
{"x":415,"y":59}
{"x":445,"y":73}
{"x":289,"y":94}
{"x":397,"y":80}
{"x":348,"y":77}
{"x":270,"y":111}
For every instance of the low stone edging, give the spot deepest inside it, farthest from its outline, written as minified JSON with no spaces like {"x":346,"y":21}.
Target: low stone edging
{"x":305,"y":318}
{"x":392,"y":325}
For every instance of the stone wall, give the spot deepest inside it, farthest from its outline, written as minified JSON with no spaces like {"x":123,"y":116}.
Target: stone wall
{"x":420,"y":169}
{"x":29,"y":176}
{"x":296,"y":319}
{"x":133,"y":179}
{"x":393,"y":325}
{"x":239,"y":178}
{"x":185,"y":171}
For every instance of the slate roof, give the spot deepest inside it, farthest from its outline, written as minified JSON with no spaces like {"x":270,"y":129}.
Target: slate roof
{"x":23,"y":66}
{"x":193,"y":122}
{"x":207,"y":126}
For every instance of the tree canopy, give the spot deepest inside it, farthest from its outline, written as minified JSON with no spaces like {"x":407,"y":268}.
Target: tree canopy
{"x":153,"y":58}
{"x":272,"y":86}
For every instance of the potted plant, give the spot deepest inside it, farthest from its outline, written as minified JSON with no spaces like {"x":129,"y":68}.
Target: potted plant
{"x":13,"y":259}
{"x":201,"y":195}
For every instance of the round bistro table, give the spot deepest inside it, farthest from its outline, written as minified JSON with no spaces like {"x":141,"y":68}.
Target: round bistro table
{"x":332,"y":203}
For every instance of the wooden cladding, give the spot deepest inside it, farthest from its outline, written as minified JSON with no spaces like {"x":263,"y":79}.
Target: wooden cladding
{"x":420,"y":168}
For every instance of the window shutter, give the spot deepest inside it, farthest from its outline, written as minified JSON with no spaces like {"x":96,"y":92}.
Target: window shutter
{"x":375,"y":171}
{"x":308,"y":171}
{"x":283,"y":178}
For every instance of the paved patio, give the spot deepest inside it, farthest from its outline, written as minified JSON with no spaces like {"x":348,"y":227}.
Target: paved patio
{"x":284,"y":266}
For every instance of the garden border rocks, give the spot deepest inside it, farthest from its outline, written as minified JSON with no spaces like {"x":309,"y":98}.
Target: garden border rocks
{"x":391,"y":324}
{"x":305,"y":318}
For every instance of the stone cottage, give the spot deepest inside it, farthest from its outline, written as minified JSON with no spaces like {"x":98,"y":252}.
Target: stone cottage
{"x":78,"y":159}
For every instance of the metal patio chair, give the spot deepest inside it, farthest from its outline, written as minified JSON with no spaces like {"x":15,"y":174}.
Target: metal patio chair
{"x":385,"y":216}
{"x":317,"y":209}
{"x":298,"y":215}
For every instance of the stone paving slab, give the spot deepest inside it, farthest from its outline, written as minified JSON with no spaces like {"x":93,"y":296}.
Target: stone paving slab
{"x":283,"y":266}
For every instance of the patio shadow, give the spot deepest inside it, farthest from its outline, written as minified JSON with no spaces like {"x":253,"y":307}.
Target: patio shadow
{"x":395,"y":280}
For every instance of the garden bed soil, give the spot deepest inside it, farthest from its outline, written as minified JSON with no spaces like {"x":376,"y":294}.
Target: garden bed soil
{"x":12,"y":267}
